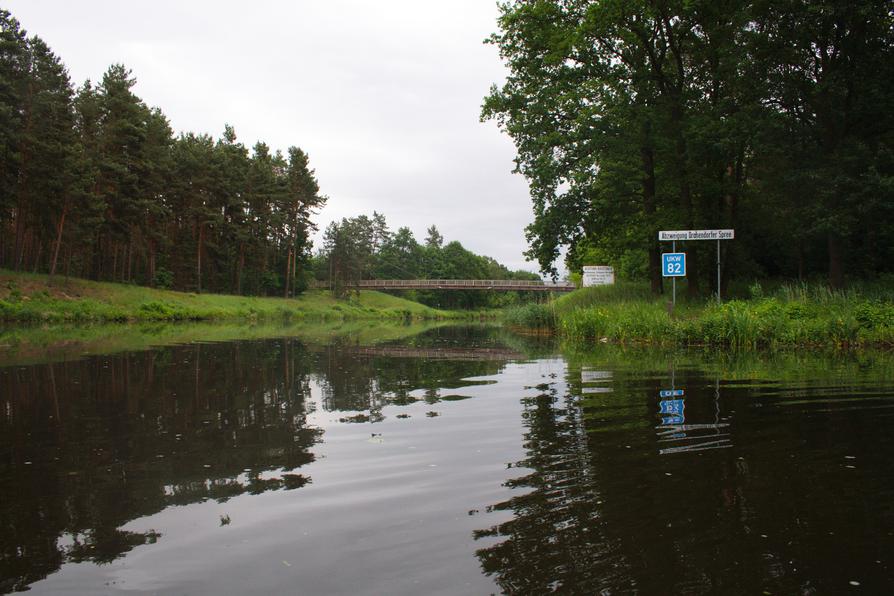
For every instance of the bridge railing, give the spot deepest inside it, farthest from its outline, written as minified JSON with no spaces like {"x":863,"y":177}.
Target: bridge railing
{"x":486,"y":283}
{"x":508,"y":284}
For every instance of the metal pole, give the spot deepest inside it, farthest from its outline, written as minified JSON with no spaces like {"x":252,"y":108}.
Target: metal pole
{"x":674,"y":279}
{"x":718,"y":271}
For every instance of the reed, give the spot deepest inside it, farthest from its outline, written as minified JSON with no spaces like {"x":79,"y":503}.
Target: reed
{"x":793,"y":315}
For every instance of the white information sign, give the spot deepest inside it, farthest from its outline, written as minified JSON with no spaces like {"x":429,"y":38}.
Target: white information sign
{"x":674,"y":235}
{"x":670,"y":235}
{"x":598,"y":275}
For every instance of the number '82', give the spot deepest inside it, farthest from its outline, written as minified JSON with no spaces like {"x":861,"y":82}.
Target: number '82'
{"x":674,"y":264}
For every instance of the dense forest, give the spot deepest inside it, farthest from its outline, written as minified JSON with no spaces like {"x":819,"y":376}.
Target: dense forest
{"x":95,"y":184}
{"x":770,"y":117}
{"x":363,"y":247}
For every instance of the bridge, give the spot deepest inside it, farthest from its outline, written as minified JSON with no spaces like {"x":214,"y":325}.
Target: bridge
{"x":466,"y":354}
{"x":515,"y":285}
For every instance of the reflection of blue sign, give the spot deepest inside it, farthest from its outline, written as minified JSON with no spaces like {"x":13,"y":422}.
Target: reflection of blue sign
{"x":672,"y":410}
{"x":670,"y":393}
{"x":673,"y":407}
{"x":673,"y":264}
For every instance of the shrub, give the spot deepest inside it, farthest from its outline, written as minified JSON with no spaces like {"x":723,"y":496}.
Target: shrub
{"x":163,"y":279}
{"x":874,"y":314}
{"x":531,"y":316}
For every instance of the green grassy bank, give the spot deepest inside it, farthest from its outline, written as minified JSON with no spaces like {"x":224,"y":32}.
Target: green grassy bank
{"x":40,"y":298}
{"x":789,"y":316}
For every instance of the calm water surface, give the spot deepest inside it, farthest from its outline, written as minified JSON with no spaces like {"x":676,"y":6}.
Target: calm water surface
{"x":459,"y":461}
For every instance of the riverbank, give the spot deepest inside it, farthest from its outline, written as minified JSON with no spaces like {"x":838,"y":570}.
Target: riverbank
{"x":790,"y":316}
{"x":30,"y":298}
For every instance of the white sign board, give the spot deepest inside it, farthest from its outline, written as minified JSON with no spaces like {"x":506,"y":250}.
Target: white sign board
{"x":598,"y":275}
{"x":669,"y":235}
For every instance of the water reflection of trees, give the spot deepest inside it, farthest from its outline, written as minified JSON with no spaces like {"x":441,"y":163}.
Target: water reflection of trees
{"x":431,"y":366}
{"x":89,"y":445}
{"x":353,"y":379}
{"x":556,"y":536}
{"x":595,"y":511}
{"x":92,"y":444}
{"x":599,"y":509}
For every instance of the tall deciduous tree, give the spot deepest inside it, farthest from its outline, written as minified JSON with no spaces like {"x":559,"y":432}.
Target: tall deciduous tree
{"x":632,"y":116}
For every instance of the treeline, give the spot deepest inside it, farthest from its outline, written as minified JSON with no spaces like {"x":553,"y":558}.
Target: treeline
{"x":770,"y":117}
{"x":93,"y":183}
{"x":363,"y":247}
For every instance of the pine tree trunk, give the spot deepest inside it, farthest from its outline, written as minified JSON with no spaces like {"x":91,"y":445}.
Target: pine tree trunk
{"x":19,"y":250}
{"x":240,"y":268}
{"x":114,"y":262}
{"x":151,"y":263}
{"x":288,"y":271}
{"x":59,"y":229}
{"x":37,"y":258}
{"x":22,"y":181}
{"x":129,"y":276}
{"x":294,"y":267}
{"x":199,"y":240}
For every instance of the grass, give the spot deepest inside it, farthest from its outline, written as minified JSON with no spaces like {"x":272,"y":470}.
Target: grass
{"x":791,"y":316}
{"x":40,"y":298}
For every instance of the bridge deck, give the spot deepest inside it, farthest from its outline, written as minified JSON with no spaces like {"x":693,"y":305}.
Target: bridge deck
{"x":468,"y":354}
{"x":456,"y":284}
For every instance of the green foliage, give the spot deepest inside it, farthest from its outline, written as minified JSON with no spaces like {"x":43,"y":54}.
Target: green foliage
{"x":157,"y":310}
{"x":631,"y":117}
{"x":618,"y":292}
{"x":874,"y":314}
{"x":530,"y":316}
{"x":793,"y":316}
{"x":94,"y":181}
{"x":163,"y":279}
{"x":361,"y":247}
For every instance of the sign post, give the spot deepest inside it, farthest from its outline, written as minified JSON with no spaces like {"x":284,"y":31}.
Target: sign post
{"x":674,"y":235}
{"x":673,"y":265}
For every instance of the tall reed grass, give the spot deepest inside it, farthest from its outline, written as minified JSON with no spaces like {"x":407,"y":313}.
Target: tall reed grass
{"x":794,"y":315}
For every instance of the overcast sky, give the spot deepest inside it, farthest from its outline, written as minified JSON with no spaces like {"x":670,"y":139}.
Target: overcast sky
{"x":383,"y":95}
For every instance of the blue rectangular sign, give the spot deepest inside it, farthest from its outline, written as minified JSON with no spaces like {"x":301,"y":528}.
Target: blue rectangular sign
{"x":670,"y":393}
{"x":673,"y":264}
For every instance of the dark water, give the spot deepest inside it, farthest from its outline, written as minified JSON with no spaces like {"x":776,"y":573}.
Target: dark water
{"x":461,"y":461}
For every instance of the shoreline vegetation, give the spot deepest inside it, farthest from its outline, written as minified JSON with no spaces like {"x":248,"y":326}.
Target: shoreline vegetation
{"x":785,"y":316}
{"x":38,"y":298}
{"x":790,"y":316}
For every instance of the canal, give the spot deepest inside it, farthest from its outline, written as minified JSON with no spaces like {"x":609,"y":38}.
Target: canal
{"x":447,"y":460}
